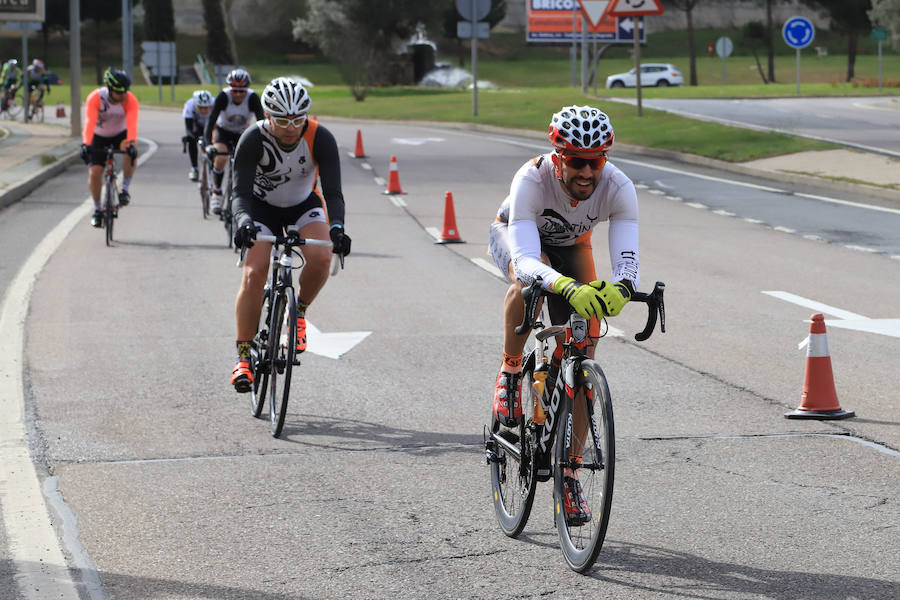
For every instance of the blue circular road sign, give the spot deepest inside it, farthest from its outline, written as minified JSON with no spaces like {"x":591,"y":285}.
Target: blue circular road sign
{"x":798,"y":32}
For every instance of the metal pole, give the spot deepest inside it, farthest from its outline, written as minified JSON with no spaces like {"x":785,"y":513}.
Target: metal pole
{"x":75,"y":66}
{"x":159,"y":70}
{"x":127,"y":39}
{"x":584,"y":56}
{"x":879,"y":67}
{"x":723,"y":70}
{"x":573,"y":53}
{"x":637,"y":64}
{"x":474,"y":62}
{"x":174,"y":71}
{"x":798,"y":71}
{"x":25,"y":80}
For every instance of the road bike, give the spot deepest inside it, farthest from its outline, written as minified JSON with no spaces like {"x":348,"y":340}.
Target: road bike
{"x":110,"y":204}
{"x":11,"y":104}
{"x":273,"y":353}
{"x":36,"y":107}
{"x":226,"y":215}
{"x":546,"y":442}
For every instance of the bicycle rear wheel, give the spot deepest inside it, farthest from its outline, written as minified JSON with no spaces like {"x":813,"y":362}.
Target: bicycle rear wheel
{"x":226,"y":210}
{"x":283,"y":332}
{"x":581,"y":543}
{"x":513,"y":477}
{"x":204,"y":189}
{"x":260,"y":352}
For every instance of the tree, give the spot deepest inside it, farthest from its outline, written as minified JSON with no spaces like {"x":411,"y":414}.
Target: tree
{"x":159,"y":20}
{"x":688,"y":7}
{"x":105,"y":17}
{"x":849,"y":17}
{"x":755,"y":34}
{"x":451,"y":17}
{"x":218,"y":49}
{"x":770,"y":41}
{"x":359,"y":36}
{"x":886,"y":14}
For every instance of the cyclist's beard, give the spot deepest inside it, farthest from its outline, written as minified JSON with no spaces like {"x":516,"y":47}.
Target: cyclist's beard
{"x":580,"y":188}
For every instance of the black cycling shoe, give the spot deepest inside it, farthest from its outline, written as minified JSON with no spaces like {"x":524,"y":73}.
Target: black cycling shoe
{"x":124,"y":198}
{"x":97,"y":219}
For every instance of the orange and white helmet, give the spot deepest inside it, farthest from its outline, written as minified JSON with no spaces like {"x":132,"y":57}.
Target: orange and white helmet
{"x":238,"y":78}
{"x":579,"y":130}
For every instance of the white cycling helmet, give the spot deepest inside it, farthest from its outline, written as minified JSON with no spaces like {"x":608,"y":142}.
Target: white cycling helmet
{"x":285,"y":97}
{"x":203,"y":99}
{"x":580,"y":129}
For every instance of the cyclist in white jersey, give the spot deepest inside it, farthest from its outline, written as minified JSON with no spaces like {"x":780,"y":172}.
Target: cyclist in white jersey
{"x":276,"y":164}
{"x":543,"y":229}
{"x":196,"y":114}
{"x":110,"y":119}
{"x":236,"y":108}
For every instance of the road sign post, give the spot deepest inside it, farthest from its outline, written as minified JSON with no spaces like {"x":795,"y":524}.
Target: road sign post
{"x":724,"y":48}
{"x":474,"y":11}
{"x":879,"y":35}
{"x":636,"y":9}
{"x":798,"y":33}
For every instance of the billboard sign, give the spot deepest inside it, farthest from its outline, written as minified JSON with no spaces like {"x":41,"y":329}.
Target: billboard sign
{"x":22,"y":10}
{"x":550,"y":21}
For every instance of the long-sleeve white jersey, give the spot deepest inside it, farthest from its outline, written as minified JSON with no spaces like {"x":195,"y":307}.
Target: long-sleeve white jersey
{"x":539,"y":211}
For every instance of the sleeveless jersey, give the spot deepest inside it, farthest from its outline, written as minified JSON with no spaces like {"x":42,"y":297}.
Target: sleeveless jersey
{"x":285,"y":177}
{"x":191,"y":112}
{"x":235,"y":117}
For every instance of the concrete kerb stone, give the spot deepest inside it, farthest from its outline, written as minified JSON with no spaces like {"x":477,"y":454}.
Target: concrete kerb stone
{"x":22,"y":188}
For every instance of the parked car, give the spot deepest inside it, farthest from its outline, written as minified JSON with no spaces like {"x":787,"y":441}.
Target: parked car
{"x":652,"y":74}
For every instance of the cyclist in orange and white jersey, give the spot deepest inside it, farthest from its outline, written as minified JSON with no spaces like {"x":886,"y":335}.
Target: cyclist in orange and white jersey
{"x":110,"y":119}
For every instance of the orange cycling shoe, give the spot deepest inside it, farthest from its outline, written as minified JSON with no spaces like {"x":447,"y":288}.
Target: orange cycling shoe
{"x":301,"y":334}
{"x":242,"y":377}
{"x":577,"y":511}
{"x":507,"y":398}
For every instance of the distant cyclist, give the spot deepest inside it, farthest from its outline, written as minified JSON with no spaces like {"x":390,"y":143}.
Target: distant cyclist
{"x":543,"y":229}
{"x":9,"y":78}
{"x":276,"y":164}
{"x":196,"y":114}
{"x":235,"y":109}
{"x":110,"y":119}
{"x":37,"y":80}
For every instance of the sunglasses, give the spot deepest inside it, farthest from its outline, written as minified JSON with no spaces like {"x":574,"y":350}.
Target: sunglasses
{"x":579,"y":162}
{"x":237,"y":91}
{"x":285,"y":121}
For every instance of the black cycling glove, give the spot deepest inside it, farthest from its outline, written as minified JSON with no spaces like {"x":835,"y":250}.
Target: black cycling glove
{"x":340,"y":241}
{"x":245,"y":234}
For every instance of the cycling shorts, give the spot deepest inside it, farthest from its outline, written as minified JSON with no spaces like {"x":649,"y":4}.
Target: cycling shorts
{"x":274,"y":220}
{"x":223,"y":136}
{"x":100,"y":143}
{"x":575,"y":261}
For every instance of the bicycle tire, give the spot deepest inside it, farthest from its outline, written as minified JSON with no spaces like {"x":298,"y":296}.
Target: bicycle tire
{"x":513,"y":482}
{"x":260,"y":353}
{"x":38,"y":114}
{"x":14,"y":109}
{"x":581,"y":544}
{"x":204,"y":190}
{"x":282,"y":360}
{"x":108,"y":217}
{"x":226,"y":210}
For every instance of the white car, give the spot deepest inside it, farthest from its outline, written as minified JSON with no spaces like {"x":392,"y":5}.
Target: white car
{"x":652,"y":74}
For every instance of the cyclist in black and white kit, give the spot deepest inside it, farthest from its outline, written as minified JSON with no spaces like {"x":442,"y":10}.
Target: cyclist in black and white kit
{"x":196,"y":115}
{"x":276,"y":164}
{"x":233,"y":111}
{"x":543,"y":229}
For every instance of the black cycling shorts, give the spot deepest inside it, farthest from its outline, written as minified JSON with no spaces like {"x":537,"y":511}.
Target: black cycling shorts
{"x":99,"y":145}
{"x":223,"y":136}
{"x":278,"y":218}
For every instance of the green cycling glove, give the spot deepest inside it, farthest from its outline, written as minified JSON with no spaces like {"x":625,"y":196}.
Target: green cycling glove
{"x":613,"y":296}
{"x":583,"y":298}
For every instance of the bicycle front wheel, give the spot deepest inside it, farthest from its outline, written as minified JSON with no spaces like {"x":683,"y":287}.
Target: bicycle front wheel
{"x":109,"y":211}
{"x":204,"y":190}
{"x":513,"y":476}
{"x":226,"y":210}
{"x":581,"y":540}
{"x":283,"y":332}
{"x":260,"y":352}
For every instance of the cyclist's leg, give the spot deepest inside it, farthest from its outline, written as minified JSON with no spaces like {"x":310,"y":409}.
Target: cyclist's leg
{"x":248,"y":303}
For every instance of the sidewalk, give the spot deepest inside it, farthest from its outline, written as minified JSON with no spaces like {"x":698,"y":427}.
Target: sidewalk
{"x":30,"y":154}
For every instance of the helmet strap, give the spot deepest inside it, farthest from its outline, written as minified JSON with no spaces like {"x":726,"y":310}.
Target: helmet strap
{"x":557,"y":165}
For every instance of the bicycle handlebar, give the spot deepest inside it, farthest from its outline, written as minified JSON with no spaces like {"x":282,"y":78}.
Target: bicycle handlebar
{"x":656,"y":308}
{"x":293,"y":239}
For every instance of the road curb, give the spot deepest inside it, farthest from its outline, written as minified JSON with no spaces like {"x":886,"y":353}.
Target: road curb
{"x":24,"y":187}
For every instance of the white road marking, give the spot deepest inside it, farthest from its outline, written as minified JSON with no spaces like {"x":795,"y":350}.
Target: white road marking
{"x":845,"y":320}
{"x":784,"y":229}
{"x":40,"y":568}
{"x":398,"y":201}
{"x":488,"y":266}
{"x":434,"y":232}
{"x":695,"y":205}
{"x":416,"y":141}
{"x":334,"y":344}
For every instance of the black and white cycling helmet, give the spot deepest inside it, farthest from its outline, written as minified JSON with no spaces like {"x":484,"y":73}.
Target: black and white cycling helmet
{"x":579,"y":130}
{"x":202,"y":99}
{"x":284,"y":97}
{"x":238,"y":78}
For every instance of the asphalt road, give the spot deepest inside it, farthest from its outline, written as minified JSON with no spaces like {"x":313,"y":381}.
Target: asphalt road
{"x":378,"y":488}
{"x":867,"y":123}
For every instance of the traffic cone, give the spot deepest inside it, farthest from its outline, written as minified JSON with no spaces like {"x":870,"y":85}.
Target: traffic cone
{"x":819,"y":399}
{"x":450,"y":234}
{"x":359,"y":152}
{"x":393,"y":185}
{"x":60,"y":111}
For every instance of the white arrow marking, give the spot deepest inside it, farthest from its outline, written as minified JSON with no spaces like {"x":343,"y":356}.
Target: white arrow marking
{"x":845,"y":320}
{"x":330,"y":345}
{"x":415,"y":141}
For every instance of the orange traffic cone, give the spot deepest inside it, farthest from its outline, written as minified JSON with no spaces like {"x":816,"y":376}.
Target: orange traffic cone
{"x":450,"y":234}
{"x":359,"y":152}
{"x":819,"y":399}
{"x":393,"y":186}
{"x":60,"y":111}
